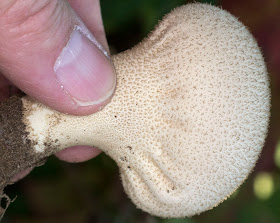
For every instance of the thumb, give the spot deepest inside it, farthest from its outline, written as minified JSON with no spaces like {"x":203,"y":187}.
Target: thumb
{"x":49,"y":53}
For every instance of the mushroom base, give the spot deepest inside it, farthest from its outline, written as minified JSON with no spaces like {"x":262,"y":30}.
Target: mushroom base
{"x":15,"y":152}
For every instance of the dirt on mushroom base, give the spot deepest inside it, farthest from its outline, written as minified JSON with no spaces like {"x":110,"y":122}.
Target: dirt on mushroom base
{"x":15,"y":152}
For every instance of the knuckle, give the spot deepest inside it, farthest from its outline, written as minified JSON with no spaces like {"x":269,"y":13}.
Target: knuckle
{"x":27,"y":17}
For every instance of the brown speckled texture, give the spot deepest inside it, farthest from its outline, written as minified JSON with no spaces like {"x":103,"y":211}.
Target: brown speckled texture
{"x":15,"y":152}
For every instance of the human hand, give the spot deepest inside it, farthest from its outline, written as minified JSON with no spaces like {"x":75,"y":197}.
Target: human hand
{"x":51,"y":55}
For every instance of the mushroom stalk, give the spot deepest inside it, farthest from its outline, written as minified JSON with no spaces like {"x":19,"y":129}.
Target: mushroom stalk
{"x":186,"y":124}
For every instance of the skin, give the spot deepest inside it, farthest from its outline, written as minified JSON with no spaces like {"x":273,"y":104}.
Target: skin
{"x":19,"y":27}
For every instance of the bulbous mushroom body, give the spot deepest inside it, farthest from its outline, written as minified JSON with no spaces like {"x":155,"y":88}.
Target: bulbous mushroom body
{"x":188,"y":119}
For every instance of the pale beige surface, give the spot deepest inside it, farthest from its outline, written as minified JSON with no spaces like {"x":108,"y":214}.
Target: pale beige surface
{"x":189,"y":116}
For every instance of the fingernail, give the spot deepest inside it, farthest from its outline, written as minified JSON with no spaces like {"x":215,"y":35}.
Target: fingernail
{"x":84,"y":71}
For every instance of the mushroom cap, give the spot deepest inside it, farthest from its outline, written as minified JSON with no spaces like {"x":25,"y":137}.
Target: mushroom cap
{"x":189,"y":117}
{"x":201,"y":119}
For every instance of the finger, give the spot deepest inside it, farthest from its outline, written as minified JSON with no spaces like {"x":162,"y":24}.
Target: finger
{"x":21,"y":175}
{"x":7,"y":89}
{"x":50,"y":54}
{"x":78,"y":154}
{"x":90,"y":12}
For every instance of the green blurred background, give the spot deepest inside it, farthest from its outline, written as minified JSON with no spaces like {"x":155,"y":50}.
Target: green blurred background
{"x":92,"y":191}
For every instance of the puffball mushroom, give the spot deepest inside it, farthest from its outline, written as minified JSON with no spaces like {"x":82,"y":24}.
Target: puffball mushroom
{"x":186,"y":124}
